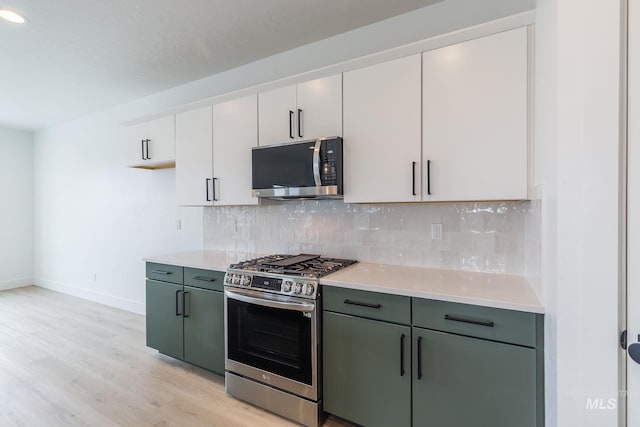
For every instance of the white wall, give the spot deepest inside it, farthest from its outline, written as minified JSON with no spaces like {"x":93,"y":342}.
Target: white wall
{"x":577,"y":169}
{"x":16,"y":209}
{"x":96,"y":219}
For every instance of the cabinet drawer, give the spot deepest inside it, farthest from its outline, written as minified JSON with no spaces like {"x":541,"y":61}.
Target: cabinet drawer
{"x":206,"y":279}
{"x":483,"y":322}
{"x":374,"y":305}
{"x":164,"y":273}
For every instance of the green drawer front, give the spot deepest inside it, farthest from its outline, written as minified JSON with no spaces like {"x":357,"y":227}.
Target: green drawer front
{"x":164,"y":273}
{"x":205,"y":279}
{"x":508,"y":326}
{"x":374,"y":305}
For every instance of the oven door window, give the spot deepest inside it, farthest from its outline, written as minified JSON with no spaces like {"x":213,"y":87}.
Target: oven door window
{"x":272,"y":339}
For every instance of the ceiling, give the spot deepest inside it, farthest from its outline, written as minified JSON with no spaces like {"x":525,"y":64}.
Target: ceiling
{"x":74,"y":57}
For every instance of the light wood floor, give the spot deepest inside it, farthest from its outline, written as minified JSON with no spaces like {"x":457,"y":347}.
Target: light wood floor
{"x":65,"y":361}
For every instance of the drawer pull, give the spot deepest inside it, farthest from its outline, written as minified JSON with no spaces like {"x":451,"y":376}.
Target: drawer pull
{"x":204,"y":279}
{"x":362,"y":304}
{"x":486,"y":323}
{"x":166,"y":273}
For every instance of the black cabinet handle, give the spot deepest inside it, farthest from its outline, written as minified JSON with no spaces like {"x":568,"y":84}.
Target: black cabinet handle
{"x":186,"y":306}
{"x":413,"y":175}
{"x":419,"y":358}
{"x":467,"y":320}
{"x":215,"y":198}
{"x":402,"y":355}
{"x":206,"y":186}
{"x":291,"y":124}
{"x":299,"y":122}
{"x":178,"y":304}
{"x":362,"y":304}
{"x":166,"y":273}
{"x":204,"y":279}
{"x":429,"y":177}
{"x":147,"y":141}
{"x":142,"y":147}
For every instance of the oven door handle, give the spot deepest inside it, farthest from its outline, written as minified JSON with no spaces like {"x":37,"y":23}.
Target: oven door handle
{"x":266,"y":302}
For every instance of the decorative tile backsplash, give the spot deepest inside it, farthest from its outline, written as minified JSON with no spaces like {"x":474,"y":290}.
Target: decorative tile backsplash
{"x":487,"y":237}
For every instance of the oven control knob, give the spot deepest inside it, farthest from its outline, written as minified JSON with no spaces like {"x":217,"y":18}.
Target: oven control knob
{"x":298,"y":288}
{"x":228,"y":279}
{"x":236,"y":279}
{"x":287,"y":286}
{"x":308,"y":290}
{"x":244,"y":281}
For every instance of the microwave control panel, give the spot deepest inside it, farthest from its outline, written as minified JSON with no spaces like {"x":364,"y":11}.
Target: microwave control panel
{"x":331,"y":161}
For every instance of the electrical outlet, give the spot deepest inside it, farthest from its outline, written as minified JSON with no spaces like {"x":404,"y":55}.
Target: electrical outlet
{"x":436,"y":231}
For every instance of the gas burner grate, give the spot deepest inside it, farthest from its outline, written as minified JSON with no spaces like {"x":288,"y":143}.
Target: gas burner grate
{"x":302,"y":265}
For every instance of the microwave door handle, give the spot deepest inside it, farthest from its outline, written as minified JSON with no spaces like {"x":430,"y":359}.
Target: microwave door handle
{"x":295,"y":306}
{"x":316,"y":163}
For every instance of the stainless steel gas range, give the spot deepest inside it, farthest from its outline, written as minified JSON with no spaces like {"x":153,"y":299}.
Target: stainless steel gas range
{"x":272,"y":333}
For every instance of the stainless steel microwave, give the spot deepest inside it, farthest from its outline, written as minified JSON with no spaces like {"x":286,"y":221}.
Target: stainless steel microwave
{"x":298,"y":170}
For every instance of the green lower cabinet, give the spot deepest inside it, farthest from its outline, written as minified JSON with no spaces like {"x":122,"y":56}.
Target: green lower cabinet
{"x":164,"y":318}
{"x":204,"y":328}
{"x":472,"y":382}
{"x":363,"y":379}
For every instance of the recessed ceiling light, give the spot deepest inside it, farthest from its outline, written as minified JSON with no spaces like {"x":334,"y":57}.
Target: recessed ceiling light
{"x":12,"y":16}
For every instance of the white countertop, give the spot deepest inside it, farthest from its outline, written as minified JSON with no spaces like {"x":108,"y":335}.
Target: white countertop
{"x":504,"y":291}
{"x":207,"y":259}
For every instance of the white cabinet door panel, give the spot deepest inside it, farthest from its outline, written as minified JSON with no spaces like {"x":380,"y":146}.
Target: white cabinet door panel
{"x":320,"y":105}
{"x":475,"y":113}
{"x":277,"y":120}
{"x":382,"y":132}
{"x":134,"y":140}
{"x":162,"y":140}
{"x":235,"y":131}
{"x":194,"y":157}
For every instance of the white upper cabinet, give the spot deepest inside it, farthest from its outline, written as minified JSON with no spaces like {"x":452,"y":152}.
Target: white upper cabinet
{"x":298,"y":112}
{"x":151,"y":145}
{"x":319,"y":110}
{"x":213,"y":153}
{"x":194,"y":157}
{"x":235,"y":132}
{"x":382,"y":132}
{"x":475,"y":119}
{"x":276,"y":120}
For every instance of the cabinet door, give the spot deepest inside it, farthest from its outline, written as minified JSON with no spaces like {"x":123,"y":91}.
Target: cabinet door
{"x":277,"y":116}
{"x":472,"y":382}
{"x":475,"y":118}
{"x":164,"y":318}
{"x":194,"y":157}
{"x":204,"y":329}
{"x":162,"y":140}
{"x":319,"y":108}
{"x":134,"y":144}
{"x":382,"y":132}
{"x":235,"y":131}
{"x":363,"y":381}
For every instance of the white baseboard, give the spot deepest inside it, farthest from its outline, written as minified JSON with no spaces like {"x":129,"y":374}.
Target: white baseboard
{"x":99,"y":297}
{"x":16,"y":283}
